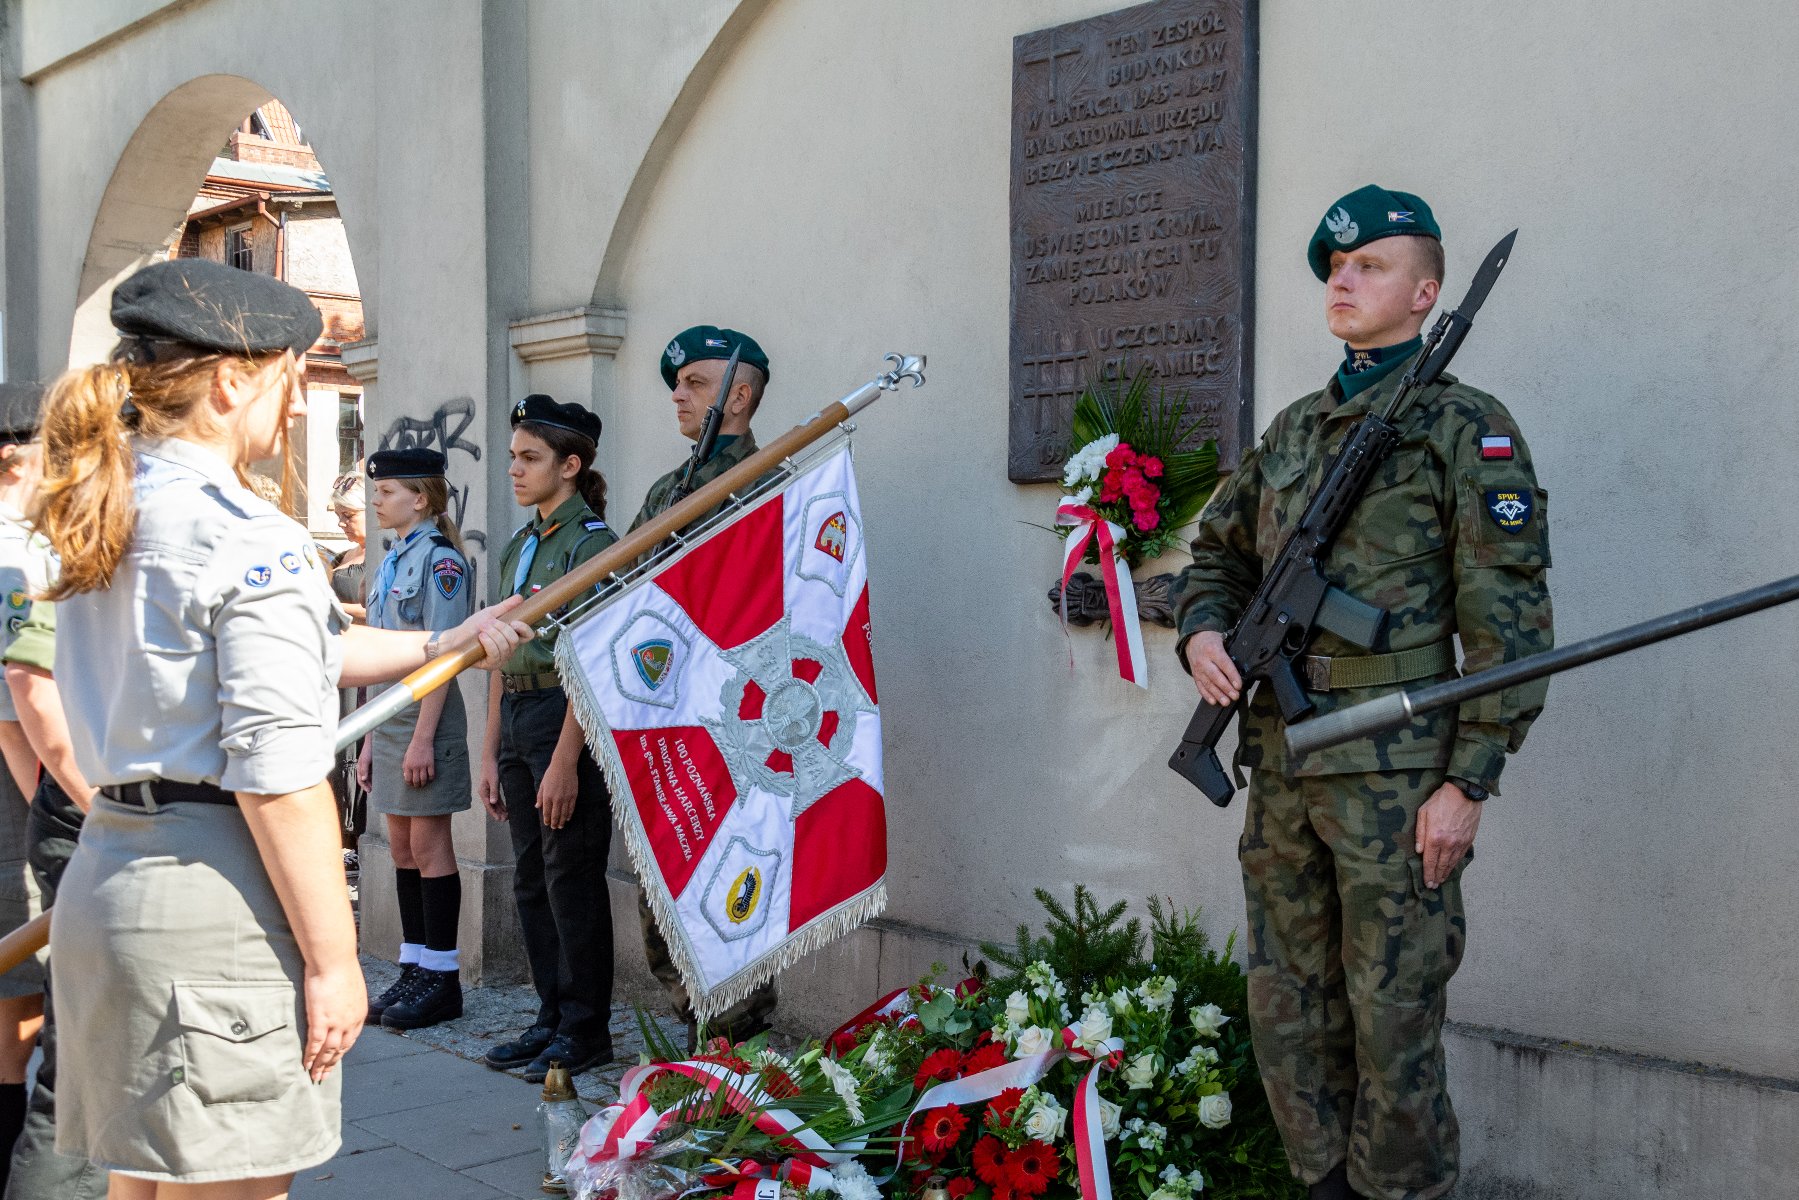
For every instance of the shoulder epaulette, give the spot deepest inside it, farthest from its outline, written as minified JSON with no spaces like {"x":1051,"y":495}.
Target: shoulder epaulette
{"x":442,"y":542}
{"x":596,"y":523}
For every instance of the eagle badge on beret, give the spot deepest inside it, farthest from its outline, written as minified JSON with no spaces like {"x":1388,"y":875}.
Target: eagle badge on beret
{"x":677,"y":353}
{"x":1342,"y":224}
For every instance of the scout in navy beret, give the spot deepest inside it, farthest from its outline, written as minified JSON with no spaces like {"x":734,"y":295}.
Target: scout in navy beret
{"x":20,"y":404}
{"x":541,"y":409}
{"x":413,"y":463}
{"x":709,"y":341}
{"x":1367,"y":215}
{"x":186,"y":305}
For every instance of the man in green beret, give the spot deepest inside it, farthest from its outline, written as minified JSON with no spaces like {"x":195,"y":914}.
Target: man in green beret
{"x":693,"y":364}
{"x":1353,"y":856}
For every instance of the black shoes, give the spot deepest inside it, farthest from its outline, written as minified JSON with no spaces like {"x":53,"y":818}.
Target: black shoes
{"x":396,"y":992}
{"x":522,"y":1049}
{"x":576,"y":1056}
{"x":435,"y":996}
{"x":1334,"y":1186}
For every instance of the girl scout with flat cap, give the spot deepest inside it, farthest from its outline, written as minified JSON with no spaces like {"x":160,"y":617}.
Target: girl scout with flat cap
{"x":415,"y":767}
{"x":204,"y":910}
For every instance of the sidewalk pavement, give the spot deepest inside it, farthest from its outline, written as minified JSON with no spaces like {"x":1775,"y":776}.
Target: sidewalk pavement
{"x":423,"y":1116}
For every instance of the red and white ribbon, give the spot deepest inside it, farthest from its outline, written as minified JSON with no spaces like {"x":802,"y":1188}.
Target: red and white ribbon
{"x":1121,"y":594}
{"x":1087,"y":1132}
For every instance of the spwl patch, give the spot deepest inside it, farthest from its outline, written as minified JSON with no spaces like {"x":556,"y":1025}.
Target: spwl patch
{"x":1510,"y":510}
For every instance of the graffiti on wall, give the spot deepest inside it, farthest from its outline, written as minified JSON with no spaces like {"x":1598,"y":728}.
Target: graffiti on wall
{"x":444,"y":431}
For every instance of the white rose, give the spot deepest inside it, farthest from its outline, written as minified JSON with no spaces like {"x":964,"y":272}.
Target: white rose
{"x":1096,"y":1028}
{"x":1033,"y":1039}
{"x":1215,"y":1111}
{"x":1209,"y":1020}
{"x":1141,"y":1073}
{"x":1046,"y":1120}
{"x":1206,"y":1055}
{"x":1108,"y":1119}
{"x":1157,"y":993}
{"x":1121,"y":1001}
{"x":1018,"y":1009}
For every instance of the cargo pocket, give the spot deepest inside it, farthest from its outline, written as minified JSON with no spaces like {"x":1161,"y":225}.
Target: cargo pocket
{"x":238,"y":1042}
{"x":1503,"y":522}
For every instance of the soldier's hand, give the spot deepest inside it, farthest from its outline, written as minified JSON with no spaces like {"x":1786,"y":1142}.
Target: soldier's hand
{"x":1446,"y":826}
{"x":1214,"y":674}
{"x":491,"y":797}
{"x":556,"y":795}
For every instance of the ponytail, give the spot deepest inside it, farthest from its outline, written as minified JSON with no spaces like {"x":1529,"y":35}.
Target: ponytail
{"x":565,"y":442}
{"x":592,"y":486}
{"x":436,"y":491}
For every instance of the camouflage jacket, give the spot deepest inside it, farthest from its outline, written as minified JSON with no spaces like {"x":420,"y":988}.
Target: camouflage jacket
{"x":1451,"y":537}
{"x":722,"y":460}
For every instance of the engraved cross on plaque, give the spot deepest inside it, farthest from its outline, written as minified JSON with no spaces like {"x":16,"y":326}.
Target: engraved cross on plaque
{"x":1050,"y":56}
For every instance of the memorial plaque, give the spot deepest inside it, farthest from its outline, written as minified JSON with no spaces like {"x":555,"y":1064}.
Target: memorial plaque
{"x":1133,"y":214}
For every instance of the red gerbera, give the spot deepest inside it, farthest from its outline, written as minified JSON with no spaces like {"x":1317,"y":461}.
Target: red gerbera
{"x":990,"y":1162}
{"x":1031,"y":1168}
{"x":984,"y":1058}
{"x":940,"y":1129}
{"x":1004,"y":1105}
{"x":959,"y":1187}
{"x":940,"y":1065}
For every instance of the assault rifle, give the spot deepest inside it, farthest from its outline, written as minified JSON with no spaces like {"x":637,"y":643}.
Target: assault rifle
{"x":1295,"y":600}
{"x":702,"y":446}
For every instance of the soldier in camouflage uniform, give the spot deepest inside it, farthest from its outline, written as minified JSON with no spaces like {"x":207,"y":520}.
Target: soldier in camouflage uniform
{"x":1352,"y":857}
{"x":692,"y":366}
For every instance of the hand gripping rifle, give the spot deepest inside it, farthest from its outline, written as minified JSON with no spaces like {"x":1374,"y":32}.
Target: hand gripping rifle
{"x":1295,"y":600}
{"x":702,"y":446}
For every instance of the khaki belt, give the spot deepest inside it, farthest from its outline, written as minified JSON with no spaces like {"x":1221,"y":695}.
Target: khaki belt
{"x":1324,"y":674}
{"x":537,"y":681}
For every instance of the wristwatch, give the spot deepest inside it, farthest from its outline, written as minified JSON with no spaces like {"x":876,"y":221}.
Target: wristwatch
{"x":1469,"y":788}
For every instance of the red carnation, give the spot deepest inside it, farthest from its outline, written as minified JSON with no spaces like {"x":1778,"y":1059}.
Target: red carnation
{"x":984,"y":1058}
{"x":1152,"y":466}
{"x":725,"y":1060}
{"x":1031,"y":1168}
{"x":941,"y":1065}
{"x":959,"y":1187}
{"x":990,"y":1162}
{"x":941,"y":1127}
{"x":1003,"y":1107}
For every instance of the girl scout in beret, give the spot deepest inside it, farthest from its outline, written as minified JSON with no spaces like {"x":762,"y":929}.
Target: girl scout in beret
{"x":415,"y":767}
{"x":204,"y":909}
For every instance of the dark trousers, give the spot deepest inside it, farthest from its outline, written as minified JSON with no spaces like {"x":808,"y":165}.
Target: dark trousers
{"x":559,"y":875}
{"x":38,"y":1171}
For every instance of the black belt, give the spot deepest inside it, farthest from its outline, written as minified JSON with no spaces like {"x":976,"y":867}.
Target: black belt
{"x":152,"y":794}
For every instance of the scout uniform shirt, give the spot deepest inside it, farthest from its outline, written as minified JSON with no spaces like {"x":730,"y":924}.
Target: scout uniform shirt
{"x":214,"y":656}
{"x":727,"y":452}
{"x":1451,"y":537}
{"x":24,"y":573}
{"x":546,"y":548}
{"x":425,"y":587}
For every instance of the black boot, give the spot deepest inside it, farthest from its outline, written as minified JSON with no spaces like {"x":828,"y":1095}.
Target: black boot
{"x":397,"y":991}
{"x":1334,"y":1186}
{"x":436,"y":997}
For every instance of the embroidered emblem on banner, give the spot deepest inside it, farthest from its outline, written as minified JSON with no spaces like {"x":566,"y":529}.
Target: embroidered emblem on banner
{"x":1510,"y":510}
{"x":258,"y":576}
{"x":1339,"y":222}
{"x":830,"y":537}
{"x":290,"y":562}
{"x":736,"y":897}
{"x":834,"y":549}
{"x":648,"y":655}
{"x":651,"y":660}
{"x":447,"y":574}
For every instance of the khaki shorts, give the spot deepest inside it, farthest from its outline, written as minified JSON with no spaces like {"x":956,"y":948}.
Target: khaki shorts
{"x":178,"y":1002}
{"x":19,"y":897}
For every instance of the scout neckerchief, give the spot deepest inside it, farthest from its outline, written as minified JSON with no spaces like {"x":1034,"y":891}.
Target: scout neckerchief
{"x":390,"y":566}
{"x":528,"y":555}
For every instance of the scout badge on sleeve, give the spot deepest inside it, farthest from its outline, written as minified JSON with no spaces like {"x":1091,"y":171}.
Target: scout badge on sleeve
{"x":731,"y":697}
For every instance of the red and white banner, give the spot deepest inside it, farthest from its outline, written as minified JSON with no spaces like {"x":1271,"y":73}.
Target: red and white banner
{"x":730,"y":696}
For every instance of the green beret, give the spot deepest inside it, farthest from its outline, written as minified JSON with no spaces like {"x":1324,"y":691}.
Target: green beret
{"x":543,"y":410}
{"x":413,"y":462}
{"x":208,"y":306}
{"x":709,"y":341}
{"x":20,"y":404}
{"x":1367,"y":215}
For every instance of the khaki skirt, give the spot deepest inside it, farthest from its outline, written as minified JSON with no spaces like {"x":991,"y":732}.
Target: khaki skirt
{"x":450,"y":791}
{"x":179,"y":1006}
{"x":19,"y":898}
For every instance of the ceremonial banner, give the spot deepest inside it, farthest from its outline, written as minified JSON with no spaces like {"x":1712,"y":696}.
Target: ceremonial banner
{"x":730,"y":696}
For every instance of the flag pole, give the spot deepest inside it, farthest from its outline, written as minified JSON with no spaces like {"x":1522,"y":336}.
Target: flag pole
{"x":628,"y":549}
{"x":34,"y":935}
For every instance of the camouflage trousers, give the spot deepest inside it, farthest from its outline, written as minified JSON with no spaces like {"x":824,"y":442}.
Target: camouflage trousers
{"x":1349,"y":955}
{"x":743,"y":1020}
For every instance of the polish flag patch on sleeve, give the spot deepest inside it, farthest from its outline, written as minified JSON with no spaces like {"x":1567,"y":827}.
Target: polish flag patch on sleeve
{"x":1496,"y":447}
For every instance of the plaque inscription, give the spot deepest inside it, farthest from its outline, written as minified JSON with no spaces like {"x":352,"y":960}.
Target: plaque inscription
{"x":1133,"y":198}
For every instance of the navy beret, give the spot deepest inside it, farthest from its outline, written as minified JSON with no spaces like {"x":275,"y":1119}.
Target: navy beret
{"x":415,"y":462}
{"x":1366,"y":215}
{"x":20,"y":406}
{"x":545,"y":411}
{"x":215,"y":308}
{"x":709,"y":341}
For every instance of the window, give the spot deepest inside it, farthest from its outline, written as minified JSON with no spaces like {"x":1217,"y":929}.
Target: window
{"x":259,"y":126}
{"x":349,"y":432}
{"x":237,"y":248}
